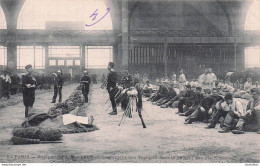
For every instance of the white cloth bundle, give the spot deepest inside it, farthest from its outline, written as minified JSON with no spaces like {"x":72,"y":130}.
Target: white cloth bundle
{"x":68,"y":119}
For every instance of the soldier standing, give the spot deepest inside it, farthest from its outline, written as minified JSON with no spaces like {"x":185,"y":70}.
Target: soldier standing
{"x":58,"y":83}
{"x":111,"y":86}
{"x":28,"y":85}
{"x":85,"y":81}
{"x":6,"y":84}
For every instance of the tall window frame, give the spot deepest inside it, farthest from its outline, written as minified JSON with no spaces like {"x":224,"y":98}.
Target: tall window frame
{"x":97,"y":57}
{"x":34,"y":55}
{"x":252,"y":57}
{"x":3,"y":56}
{"x":64,"y":55}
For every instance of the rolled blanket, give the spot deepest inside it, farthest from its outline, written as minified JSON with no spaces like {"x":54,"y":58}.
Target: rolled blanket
{"x":43,"y":134}
{"x":21,"y":141}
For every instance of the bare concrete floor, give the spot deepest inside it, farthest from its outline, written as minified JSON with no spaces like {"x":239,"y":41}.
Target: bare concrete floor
{"x":166,"y":138}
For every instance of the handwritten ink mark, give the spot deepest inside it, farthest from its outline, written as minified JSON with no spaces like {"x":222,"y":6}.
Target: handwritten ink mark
{"x":95,"y":15}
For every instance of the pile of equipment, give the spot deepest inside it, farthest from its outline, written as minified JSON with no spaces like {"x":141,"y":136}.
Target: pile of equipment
{"x":64,"y":118}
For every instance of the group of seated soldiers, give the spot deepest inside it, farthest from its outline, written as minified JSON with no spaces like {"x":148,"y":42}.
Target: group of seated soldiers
{"x":209,"y":106}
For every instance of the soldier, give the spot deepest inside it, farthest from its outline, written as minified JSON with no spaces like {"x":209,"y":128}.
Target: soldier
{"x":213,"y":79}
{"x":171,"y":95}
{"x":248,"y":84}
{"x":136,"y":78}
{"x":202,"y":113}
{"x":85,"y":81}
{"x":256,"y":85}
{"x":252,"y":115}
{"x":177,"y":97}
{"x":58,"y":83}
{"x":28,"y":85}
{"x":174,"y":77}
{"x":6,"y":84}
{"x":145,"y":78}
{"x":111,"y":86}
{"x":147,"y":89}
{"x":182,"y":80}
{"x":221,"y":109}
{"x":126,"y":80}
{"x":161,"y":93}
{"x":195,"y":101}
{"x":186,"y":100}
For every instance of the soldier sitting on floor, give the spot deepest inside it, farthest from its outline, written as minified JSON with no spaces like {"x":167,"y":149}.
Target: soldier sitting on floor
{"x":222,"y":108}
{"x":251,"y":119}
{"x":164,"y":92}
{"x":160,"y":93}
{"x":195,"y":103}
{"x":202,"y":113}
{"x":171,"y":95}
{"x":186,"y":100}
{"x":177,"y":97}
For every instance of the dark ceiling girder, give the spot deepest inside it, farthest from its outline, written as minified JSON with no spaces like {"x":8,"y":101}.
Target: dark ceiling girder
{"x":227,"y":14}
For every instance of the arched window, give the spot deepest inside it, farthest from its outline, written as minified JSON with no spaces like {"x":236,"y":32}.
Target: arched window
{"x":253,"y":17}
{"x":65,"y":14}
{"x":2,"y":19}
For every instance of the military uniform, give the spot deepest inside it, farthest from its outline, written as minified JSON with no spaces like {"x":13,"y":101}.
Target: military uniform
{"x":126,"y":81}
{"x":111,"y":88}
{"x":147,"y":90}
{"x":28,"y":93}
{"x":171,"y":95}
{"x":6,"y":82}
{"x":195,"y":104}
{"x":162,"y":92}
{"x":186,"y":100}
{"x":85,"y":81}
{"x":206,"y":103}
{"x":176,"y":98}
{"x":58,"y":83}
